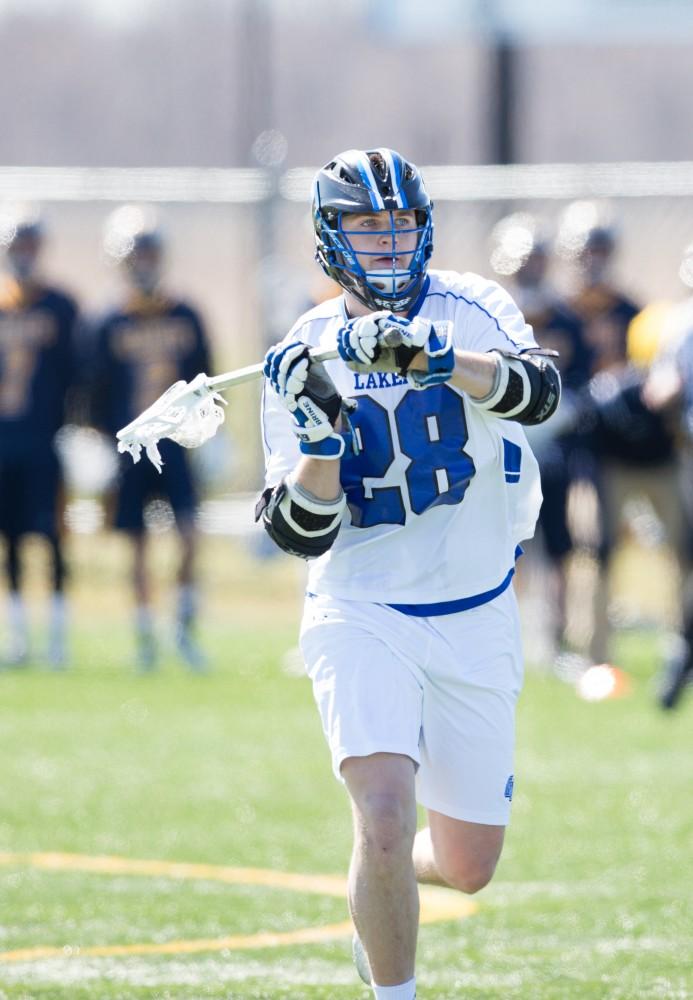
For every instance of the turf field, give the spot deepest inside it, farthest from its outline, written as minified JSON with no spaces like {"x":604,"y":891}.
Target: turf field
{"x":162,"y":836}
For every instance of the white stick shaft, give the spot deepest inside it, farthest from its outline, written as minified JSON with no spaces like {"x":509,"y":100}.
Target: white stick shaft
{"x":228,"y":379}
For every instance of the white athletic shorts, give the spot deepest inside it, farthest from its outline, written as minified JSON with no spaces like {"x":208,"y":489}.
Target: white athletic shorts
{"x":441,"y":690}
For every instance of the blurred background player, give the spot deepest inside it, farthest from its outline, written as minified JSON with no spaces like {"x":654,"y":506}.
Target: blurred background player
{"x":632,"y":446}
{"x":587,"y":239}
{"x":144,"y":345}
{"x":669,"y":391}
{"x":37,"y":325}
{"x":520,"y":256}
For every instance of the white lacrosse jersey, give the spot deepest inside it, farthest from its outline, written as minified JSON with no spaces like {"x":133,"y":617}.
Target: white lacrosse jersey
{"x":442,"y":492}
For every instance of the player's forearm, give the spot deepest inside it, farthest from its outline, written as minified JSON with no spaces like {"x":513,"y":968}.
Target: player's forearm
{"x":318,"y":477}
{"x":514,"y":387}
{"x":474,"y":373}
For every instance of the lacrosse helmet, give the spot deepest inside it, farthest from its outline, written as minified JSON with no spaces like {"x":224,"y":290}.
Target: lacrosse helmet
{"x":21,"y":236}
{"x":133,"y":239}
{"x":374,"y":180}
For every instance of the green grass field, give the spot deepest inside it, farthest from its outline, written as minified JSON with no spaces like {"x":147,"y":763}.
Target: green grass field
{"x":229,"y":772}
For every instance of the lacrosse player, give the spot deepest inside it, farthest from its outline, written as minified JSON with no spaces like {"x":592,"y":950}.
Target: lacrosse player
{"x":633,"y":446}
{"x":521,"y":256}
{"x":402,"y":473}
{"x":37,"y":325}
{"x":669,"y":391}
{"x":141,"y":347}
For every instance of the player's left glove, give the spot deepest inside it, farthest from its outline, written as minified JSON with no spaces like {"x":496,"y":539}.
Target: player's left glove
{"x":406,"y":338}
{"x":310,"y":395}
{"x":386,"y":343}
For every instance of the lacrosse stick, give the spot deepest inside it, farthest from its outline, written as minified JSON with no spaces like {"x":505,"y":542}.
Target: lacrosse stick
{"x":189,"y":412}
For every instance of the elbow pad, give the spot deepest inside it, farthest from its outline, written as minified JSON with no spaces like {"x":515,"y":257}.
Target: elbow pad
{"x":298,"y":522}
{"x":527,"y":388}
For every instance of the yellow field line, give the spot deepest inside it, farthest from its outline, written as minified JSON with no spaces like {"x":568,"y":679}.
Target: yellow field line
{"x":436,"y":904}
{"x":235,"y":942}
{"x":322,"y":885}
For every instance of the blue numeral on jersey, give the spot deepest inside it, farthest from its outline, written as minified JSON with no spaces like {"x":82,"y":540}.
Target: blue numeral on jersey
{"x":371,"y":504}
{"x":432,"y":432}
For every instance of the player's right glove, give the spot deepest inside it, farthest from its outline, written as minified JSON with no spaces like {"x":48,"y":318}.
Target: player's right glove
{"x":309,"y":394}
{"x":359,"y":341}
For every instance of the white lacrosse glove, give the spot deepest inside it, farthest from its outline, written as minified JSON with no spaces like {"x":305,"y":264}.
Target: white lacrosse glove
{"x":359,"y":341}
{"x":309,"y":394}
{"x":386,"y":343}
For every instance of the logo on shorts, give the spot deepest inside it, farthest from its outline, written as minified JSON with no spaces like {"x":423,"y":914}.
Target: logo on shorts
{"x":509,"y":785}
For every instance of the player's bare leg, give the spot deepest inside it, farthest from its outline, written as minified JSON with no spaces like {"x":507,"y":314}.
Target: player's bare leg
{"x":144,"y":625}
{"x":383,"y":895}
{"x":457,"y":854}
{"x":186,"y":611}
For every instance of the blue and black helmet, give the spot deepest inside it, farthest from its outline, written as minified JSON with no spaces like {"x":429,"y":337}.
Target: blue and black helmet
{"x":373,"y":180}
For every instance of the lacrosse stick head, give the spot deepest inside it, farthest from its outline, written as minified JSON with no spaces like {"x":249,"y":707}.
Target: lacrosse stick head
{"x":187,"y":413}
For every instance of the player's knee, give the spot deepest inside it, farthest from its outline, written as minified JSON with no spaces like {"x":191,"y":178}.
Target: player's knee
{"x":386,"y":827}
{"x":468,"y":875}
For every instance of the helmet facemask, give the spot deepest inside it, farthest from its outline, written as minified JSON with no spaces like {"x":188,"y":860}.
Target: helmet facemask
{"x":379,"y":182}
{"x":380,"y":287}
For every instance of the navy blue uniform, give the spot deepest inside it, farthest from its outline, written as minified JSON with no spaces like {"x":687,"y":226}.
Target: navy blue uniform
{"x":557,"y":328}
{"x":36,"y":372}
{"x":141,"y":350}
{"x":606,"y":314}
{"x":625,"y":433}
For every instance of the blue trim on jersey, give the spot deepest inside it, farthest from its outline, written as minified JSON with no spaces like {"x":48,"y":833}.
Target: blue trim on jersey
{"x":512,"y":461}
{"x":424,"y":294}
{"x":473,"y":302}
{"x":414,"y":311}
{"x":452,"y":607}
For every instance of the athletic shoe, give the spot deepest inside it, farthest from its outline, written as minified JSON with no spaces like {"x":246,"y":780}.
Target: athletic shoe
{"x":363,"y":966}
{"x":677,"y":673}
